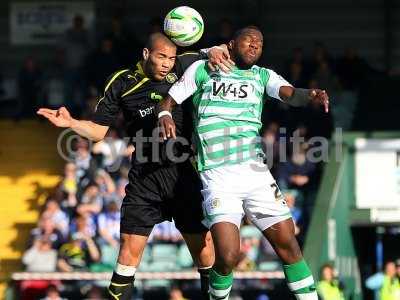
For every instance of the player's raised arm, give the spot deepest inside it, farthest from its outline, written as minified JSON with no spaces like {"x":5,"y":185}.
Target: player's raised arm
{"x":277,"y":87}
{"x":178,"y":93}
{"x":106,"y":111}
{"x":218,"y":59}
{"x":62,"y":118}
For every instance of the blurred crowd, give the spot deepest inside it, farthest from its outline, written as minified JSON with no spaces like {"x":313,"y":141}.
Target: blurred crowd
{"x":78,"y":229}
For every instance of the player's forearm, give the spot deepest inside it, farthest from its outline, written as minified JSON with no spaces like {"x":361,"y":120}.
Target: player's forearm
{"x":294,"y":96}
{"x":88,"y":129}
{"x":166,"y":105}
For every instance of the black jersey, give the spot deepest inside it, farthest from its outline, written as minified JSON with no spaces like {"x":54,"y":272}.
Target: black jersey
{"x":137,"y":95}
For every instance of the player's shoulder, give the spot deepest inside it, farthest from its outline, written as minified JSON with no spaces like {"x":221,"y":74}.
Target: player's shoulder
{"x":125,"y":77}
{"x":266,"y":73}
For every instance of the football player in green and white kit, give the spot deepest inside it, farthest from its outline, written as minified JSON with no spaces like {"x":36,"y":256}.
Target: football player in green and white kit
{"x":227,"y":117}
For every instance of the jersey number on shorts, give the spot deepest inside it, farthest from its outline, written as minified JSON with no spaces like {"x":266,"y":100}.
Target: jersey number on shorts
{"x":277,"y":192}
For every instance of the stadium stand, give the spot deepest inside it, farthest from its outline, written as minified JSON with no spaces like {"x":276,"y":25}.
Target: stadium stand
{"x":24,"y":186}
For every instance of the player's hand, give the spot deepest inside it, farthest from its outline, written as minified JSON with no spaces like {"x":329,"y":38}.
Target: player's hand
{"x":219,"y":58}
{"x":167,"y":127}
{"x":321,"y":97}
{"x":60,"y":117}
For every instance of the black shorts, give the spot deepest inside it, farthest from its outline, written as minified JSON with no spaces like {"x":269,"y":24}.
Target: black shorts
{"x":158,"y":193}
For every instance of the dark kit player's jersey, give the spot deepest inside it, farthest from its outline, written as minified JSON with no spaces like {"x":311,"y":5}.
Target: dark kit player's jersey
{"x":137,"y":95}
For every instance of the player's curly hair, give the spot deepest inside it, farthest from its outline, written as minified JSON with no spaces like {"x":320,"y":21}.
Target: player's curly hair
{"x":241,"y":31}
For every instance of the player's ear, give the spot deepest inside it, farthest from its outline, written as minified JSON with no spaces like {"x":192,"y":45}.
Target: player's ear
{"x":146,"y":53}
{"x":231,"y":44}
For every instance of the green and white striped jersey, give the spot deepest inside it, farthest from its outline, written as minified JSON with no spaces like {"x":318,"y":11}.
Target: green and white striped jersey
{"x":227,"y":111}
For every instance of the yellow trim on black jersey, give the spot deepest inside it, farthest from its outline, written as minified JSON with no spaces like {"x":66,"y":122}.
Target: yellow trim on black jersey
{"x":113,"y":78}
{"x":136,"y":86}
{"x":188,"y":52}
{"x":139,"y":69}
{"x":108,"y":86}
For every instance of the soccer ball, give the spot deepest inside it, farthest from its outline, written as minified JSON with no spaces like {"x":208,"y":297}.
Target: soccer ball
{"x":184,"y":26}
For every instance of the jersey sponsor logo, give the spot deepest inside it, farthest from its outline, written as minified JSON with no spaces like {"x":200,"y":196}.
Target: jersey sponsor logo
{"x":155,"y":96}
{"x":171,"y":78}
{"x":146,"y":111}
{"x":231,"y":90}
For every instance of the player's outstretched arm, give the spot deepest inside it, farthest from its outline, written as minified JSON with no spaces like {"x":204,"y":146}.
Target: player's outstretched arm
{"x":301,"y":97}
{"x":277,"y":87}
{"x":62,"y":118}
{"x":165,"y":121}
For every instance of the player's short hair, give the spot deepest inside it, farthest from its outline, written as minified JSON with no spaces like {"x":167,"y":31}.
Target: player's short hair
{"x":243,"y":30}
{"x":158,"y":36}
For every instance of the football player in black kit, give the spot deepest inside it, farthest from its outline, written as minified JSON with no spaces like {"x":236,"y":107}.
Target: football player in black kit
{"x":159,"y":188}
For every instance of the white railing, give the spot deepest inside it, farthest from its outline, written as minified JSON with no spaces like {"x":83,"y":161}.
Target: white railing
{"x":140,"y":275}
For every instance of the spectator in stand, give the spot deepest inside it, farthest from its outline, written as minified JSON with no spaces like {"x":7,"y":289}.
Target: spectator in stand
{"x":297,"y":173}
{"x":30,"y":88}
{"x":390,"y":289}
{"x":84,"y":224}
{"x":112,"y":148}
{"x":78,"y":253}
{"x":176,"y":294}
{"x":249,"y":249}
{"x":95,"y":293}
{"x":106,"y":186}
{"x":329,"y":287}
{"x":86,"y":166}
{"x":166,"y":232}
{"x":69,"y":188}
{"x":47,"y":230}
{"x":59,"y":218}
{"x":108,"y":225}
{"x":290,"y":198}
{"x":75,"y":46}
{"x":100,"y":64}
{"x":41,"y":257}
{"x":271,"y":145}
{"x":52,"y":293}
{"x":376,"y":281}
{"x":91,"y":202}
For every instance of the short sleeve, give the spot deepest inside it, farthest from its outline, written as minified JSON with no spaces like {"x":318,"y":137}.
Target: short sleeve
{"x":189,"y":83}
{"x":274,"y":83}
{"x":107,"y":108}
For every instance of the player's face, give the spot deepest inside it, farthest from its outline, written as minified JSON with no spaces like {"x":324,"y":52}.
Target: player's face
{"x":248,"y":48}
{"x":160,"y":60}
